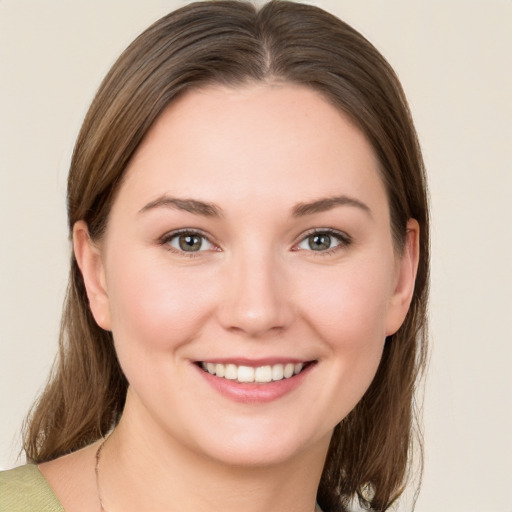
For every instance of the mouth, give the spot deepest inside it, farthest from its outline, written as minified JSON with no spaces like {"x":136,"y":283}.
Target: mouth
{"x":246,"y":374}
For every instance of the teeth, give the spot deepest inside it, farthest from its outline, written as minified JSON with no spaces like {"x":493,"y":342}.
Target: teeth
{"x":260,"y":374}
{"x":245,"y":374}
{"x":288,"y":370}
{"x":231,"y":372}
{"x":263,"y":374}
{"x":220,"y":370}
{"x":277,"y":372}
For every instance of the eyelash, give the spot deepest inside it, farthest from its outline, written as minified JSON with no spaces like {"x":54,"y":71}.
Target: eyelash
{"x":344,"y":241}
{"x":168,"y":237}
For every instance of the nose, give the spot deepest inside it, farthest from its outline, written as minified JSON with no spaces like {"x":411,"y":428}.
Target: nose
{"x":256,"y":300}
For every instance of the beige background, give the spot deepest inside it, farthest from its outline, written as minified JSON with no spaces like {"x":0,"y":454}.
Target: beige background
{"x":453,"y":57}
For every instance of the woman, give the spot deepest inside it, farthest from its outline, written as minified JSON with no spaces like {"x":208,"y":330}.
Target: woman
{"x":245,"y":319}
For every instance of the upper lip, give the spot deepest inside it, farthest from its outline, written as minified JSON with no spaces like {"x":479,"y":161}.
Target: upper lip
{"x":266,"y":361}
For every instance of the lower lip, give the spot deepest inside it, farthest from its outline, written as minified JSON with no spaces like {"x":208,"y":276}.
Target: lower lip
{"x":255,"y":393}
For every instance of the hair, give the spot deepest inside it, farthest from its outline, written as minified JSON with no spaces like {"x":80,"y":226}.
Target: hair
{"x":233,"y":43}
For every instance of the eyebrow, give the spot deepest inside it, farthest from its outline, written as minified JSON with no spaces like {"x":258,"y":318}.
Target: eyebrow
{"x":211,"y":210}
{"x":328,"y":203}
{"x":189,"y":205}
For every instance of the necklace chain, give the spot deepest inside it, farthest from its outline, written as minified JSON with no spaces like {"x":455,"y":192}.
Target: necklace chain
{"x":97,"y":471}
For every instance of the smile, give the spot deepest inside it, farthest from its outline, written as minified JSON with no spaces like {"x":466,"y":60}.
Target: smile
{"x":249,"y":374}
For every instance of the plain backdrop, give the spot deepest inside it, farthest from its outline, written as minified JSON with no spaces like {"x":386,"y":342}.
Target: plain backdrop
{"x":453,"y":58}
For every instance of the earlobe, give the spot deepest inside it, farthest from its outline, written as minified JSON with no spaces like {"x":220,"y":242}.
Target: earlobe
{"x":88,"y":257}
{"x":406,"y":277}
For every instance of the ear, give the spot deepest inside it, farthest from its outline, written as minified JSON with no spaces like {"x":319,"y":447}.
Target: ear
{"x":89,"y":260}
{"x":407,"y":268}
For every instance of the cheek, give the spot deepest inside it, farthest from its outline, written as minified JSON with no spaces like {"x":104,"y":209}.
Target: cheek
{"x":348,"y":306}
{"x":347,"y":309}
{"x":155,"y":304}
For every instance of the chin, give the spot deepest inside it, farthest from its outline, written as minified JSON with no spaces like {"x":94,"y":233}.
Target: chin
{"x":262,"y":447}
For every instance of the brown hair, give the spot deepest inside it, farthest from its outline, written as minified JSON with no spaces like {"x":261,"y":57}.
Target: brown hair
{"x":231,"y":42}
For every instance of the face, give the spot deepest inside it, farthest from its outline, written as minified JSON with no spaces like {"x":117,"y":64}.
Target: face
{"x":248,"y":272}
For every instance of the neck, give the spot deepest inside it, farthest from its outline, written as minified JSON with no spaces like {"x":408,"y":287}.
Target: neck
{"x":144,"y":468}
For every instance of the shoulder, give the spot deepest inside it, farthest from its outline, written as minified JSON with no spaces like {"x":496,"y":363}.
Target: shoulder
{"x":25,"y":489}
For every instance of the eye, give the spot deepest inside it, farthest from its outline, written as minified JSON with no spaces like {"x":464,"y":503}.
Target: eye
{"x":188,"y":241}
{"x":323,"y":241}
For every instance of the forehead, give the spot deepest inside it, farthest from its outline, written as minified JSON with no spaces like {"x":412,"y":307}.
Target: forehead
{"x":277,"y":142}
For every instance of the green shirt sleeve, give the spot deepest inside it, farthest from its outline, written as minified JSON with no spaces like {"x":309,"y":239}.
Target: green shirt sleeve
{"x":25,"y":489}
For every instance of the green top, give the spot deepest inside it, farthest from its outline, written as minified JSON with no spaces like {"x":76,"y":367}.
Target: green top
{"x":25,"y":489}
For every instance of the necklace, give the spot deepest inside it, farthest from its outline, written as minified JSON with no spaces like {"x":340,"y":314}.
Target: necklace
{"x":97,"y":472}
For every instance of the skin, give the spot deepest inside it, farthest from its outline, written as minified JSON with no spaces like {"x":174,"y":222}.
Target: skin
{"x":256,"y":289}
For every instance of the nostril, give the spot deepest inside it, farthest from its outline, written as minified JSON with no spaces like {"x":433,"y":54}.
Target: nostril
{"x":255,"y":322}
